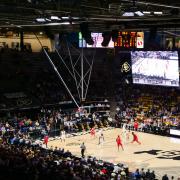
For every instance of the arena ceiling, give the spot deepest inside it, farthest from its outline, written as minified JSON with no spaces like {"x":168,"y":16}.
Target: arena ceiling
{"x":101,"y":15}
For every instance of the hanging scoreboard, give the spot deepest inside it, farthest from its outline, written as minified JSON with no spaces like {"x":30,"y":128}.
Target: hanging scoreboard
{"x":130,"y":40}
{"x":127,"y":40}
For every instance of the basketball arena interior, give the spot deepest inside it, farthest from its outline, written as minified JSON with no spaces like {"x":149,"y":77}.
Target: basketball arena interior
{"x":89,"y":90}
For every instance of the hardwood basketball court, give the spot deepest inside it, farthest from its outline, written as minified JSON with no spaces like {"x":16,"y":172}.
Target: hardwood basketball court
{"x":158,"y":153}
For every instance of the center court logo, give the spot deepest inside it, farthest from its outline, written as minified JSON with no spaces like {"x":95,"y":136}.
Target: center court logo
{"x":173,"y":154}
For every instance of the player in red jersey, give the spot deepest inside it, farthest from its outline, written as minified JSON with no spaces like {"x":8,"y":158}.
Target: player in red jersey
{"x":46,"y":138}
{"x":92,"y":132}
{"x":135,"y":138}
{"x":119,"y":142}
{"x":136,"y":125}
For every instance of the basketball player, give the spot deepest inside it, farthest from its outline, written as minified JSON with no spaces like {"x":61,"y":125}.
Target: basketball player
{"x":101,"y":139}
{"x":119,"y":143}
{"x":46,"y":138}
{"x":135,"y":138}
{"x":100,"y":132}
{"x":124,"y":127}
{"x":92,"y":132}
{"x":128,"y":135}
{"x":63,"y":135}
{"x":136,"y":125}
{"x":124,"y":133}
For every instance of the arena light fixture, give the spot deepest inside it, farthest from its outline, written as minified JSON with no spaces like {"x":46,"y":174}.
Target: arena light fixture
{"x":55,"y":18}
{"x":139,"y":13}
{"x":75,"y":18}
{"x":146,"y":12}
{"x":65,"y":23}
{"x":65,"y":17}
{"x":128,"y":14}
{"x":58,"y":23}
{"x":41,"y":20}
{"x":48,"y":20}
{"x":158,"y":12}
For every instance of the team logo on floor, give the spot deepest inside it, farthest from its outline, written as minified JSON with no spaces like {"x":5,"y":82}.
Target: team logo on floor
{"x":174,"y":154}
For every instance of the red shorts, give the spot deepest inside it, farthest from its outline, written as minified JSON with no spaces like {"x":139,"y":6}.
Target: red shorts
{"x":119,"y":144}
{"x":92,"y":133}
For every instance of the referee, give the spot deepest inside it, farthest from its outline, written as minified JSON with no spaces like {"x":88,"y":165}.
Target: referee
{"x":83,"y":148}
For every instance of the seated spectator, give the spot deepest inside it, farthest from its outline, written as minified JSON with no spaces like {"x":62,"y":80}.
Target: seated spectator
{"x":165,"y":177}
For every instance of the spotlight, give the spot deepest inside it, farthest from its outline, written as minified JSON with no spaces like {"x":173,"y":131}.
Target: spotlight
{"x":107,"y":38}
{"x":86,"y":34}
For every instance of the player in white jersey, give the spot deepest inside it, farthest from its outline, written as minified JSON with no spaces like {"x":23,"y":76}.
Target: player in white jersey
{"x":63,"y":135}
{"x":99,"y":132}
{"x":124,"y":127}
{"x":101,"y":139}
{"x":124,"y":133}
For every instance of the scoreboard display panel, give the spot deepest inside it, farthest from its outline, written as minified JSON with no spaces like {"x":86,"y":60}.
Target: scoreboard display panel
{"x":130,"y":40}
{"x":125,"y":40}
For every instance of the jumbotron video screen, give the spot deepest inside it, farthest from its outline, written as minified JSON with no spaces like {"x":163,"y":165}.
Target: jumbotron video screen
{"x":155,"y":67}
{"x":97,"y":38}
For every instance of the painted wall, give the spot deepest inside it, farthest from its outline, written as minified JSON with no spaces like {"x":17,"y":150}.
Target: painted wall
{"x":36,"y":47}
